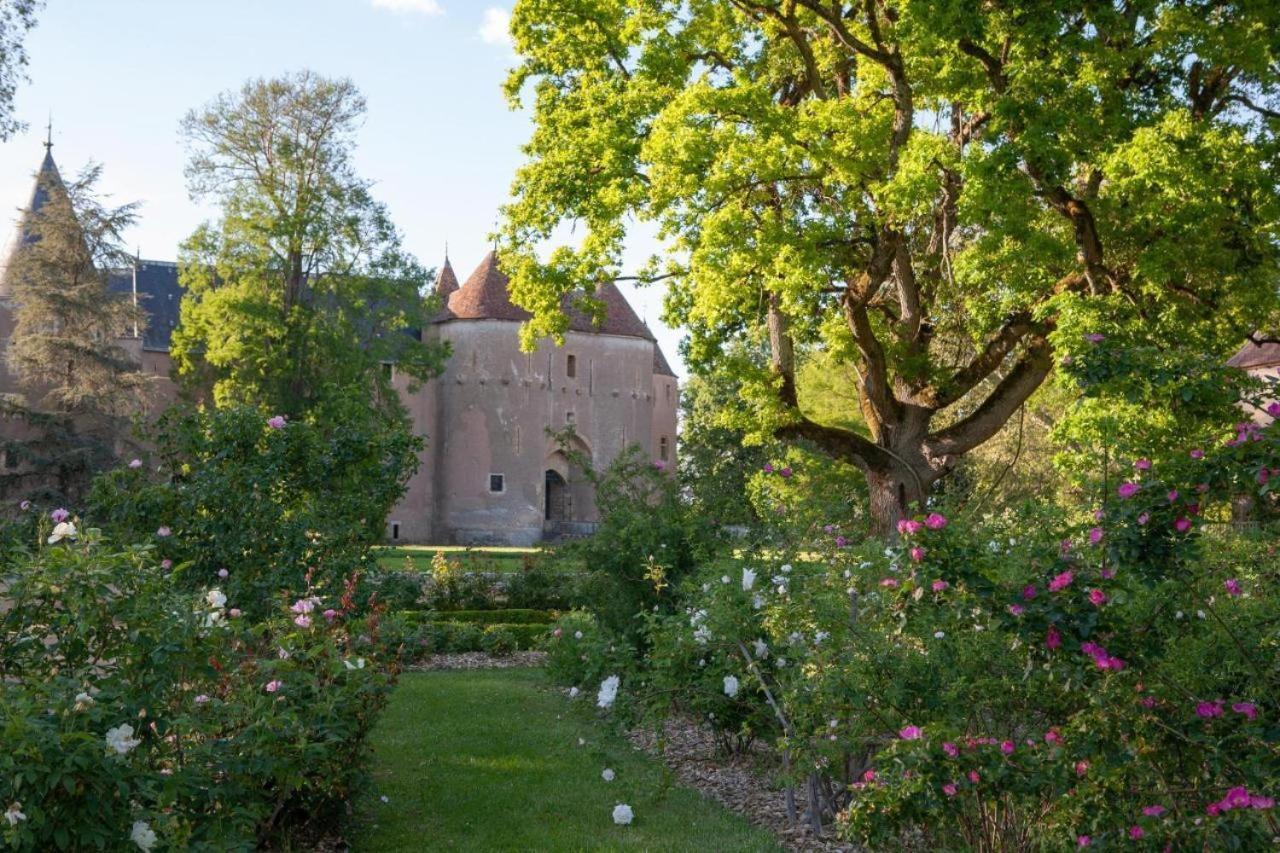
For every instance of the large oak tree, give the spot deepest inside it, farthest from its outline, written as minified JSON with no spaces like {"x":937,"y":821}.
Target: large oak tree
{"x":947,"y":195}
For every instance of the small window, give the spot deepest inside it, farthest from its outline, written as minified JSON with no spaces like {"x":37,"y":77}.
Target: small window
{"x":668,"y":387}
{"x":497,"y":483}
{"x":568,"y":418}
{"x":388,"y":370}
{"x":663,"y":451}
{"x":572,"y":369}
{"x":395,"y":530}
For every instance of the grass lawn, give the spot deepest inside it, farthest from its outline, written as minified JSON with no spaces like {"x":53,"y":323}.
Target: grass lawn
{"x":490,"y":760}
{"x":473,"y":559}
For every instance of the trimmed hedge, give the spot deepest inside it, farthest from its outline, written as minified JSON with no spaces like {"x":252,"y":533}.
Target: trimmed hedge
{"x":434,"y":636}
{"x":479,"y":617}
{"x":513,"y":616}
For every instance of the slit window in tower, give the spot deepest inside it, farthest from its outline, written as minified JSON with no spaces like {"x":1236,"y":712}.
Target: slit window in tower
{"x":663,"y":451}
{"x":497,"y":483}
{"x":572,"y":368}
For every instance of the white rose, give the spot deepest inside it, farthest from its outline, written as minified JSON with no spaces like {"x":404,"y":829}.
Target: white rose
{"x":607,"y":775}
{"x":622,"y":814}
{"x":62,"y":530}
{"x":14,"y":814}
{"x":121,"y":738}
{"x":142,"y":835}
{"x":608,"y":691}
{"x":748,"y":580}
{"x":730,"y":686}
{"x":217,"y":598}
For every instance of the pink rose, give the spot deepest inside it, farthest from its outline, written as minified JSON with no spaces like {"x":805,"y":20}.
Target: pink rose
{"x":940,"y":585}
{"x":911,"y":733}
{"x":935,"y":521}
{"x":273,"y":686}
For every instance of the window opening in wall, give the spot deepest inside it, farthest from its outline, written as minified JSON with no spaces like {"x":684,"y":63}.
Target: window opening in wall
{"x":663,"y":448}
{"x":515,"y":440}
{"x":571,"y":369}
{"x":568,"y":418}
{"x":668,"y":385}
{"x":395,"y":530}
{"x":388,"y":370}
{"x":497,"y":483}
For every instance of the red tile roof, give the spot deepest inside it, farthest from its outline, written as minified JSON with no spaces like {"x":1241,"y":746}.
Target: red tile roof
{"x":1256,"y":355}
{"x":484,"y":296}
{"x":446,"y":282}
{"x":660,"y":365}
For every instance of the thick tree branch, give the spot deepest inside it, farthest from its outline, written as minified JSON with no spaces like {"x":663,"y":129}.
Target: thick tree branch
{"x":987,"y":361}
{"x":1012,"y":391}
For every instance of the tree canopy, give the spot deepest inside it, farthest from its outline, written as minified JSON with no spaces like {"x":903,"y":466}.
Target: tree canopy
{"x":944,"y":195}
{"x":17,"y":17}
{"x":301,"y":292}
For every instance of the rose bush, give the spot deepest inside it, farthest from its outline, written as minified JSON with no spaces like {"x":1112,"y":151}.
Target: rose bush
{"x":136,"y":709}
{"x":1037,"y":678}
{"x":264,"y":504}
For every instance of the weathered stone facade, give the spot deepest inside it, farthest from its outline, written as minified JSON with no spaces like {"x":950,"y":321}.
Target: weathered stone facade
{"x":490,"y":473}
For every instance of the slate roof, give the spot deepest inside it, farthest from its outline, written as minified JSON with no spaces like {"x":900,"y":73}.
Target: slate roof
{"x":48,"y":181}
{"x":1253,"y":355}
{"x":485,"y":296}
{"x":159,"y":294}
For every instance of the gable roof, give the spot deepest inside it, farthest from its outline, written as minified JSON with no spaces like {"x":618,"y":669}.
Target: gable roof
{"x":1253,"y":355}
{"x":485,"y":295}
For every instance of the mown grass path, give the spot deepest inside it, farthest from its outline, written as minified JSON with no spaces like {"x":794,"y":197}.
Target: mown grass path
{"x":491,"y":760}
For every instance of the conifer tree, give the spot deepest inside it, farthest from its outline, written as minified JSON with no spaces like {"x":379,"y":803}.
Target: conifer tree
{"x":78,"y":386}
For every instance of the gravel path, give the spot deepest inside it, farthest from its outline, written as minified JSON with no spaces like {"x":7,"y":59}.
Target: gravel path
{"x":741,"y":783}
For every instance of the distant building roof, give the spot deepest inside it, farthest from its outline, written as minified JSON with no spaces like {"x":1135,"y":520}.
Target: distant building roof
{"x":446,"y":282}
{"x":485,"y":296}
{"x":660,"y":365}
{"x":1253,"y":355}
{"x":48,"y":181}
{"x":158,"y":293}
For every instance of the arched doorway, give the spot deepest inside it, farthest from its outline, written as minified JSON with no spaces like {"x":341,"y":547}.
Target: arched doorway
{"x":556,"y":499}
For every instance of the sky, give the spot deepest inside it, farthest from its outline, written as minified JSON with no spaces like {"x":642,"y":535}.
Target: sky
{"x":439,"y":140}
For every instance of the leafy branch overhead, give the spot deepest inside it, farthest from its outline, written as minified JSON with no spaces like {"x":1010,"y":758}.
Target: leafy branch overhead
{"x":942,"y":195}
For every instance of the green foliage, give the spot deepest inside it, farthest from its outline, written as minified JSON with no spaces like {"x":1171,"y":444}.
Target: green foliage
{"x":76,"y":384}
{"x":648,"y":540}
{"x":275,"y":507}
{"x":300,"y":294}
{"x":938,"y":198}
{"x":126,"y":697}
{"x":16,"y":19}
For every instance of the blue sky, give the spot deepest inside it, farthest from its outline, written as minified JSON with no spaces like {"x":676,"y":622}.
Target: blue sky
{"x":439,"y":140}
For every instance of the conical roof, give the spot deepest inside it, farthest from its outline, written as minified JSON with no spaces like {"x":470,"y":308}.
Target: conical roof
{"x":660,"y":365}
{"x":48,"y":183}
{"x":446,"y":282}
{"x":485,"y":296}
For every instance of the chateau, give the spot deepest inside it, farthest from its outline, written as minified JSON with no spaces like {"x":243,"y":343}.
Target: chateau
{"x":490,"y":472}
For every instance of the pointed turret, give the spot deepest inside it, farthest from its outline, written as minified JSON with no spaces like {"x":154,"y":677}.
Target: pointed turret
{"x":48,"y":185}
{"x":446,"y":282}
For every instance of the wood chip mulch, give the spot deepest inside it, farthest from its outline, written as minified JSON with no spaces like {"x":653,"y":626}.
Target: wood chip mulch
{"x":477,"y":660}
{"x":740,"y":783}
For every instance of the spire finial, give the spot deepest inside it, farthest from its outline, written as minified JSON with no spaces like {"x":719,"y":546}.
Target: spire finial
{"x":446,"y":251}
{"x":48,"y":139}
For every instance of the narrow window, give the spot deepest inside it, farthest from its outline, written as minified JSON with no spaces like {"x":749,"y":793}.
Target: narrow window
{"x":668,"y":387}
{"x":568,"y":417}
{"x":572,"y":369}
{"x":388,"y":370}
{"x":395,"y":530}
{"x":497,"y":483}
{"x":515,"y":440}
{"x":662,"y":448}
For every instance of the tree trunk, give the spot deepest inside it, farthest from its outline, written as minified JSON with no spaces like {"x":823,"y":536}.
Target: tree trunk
{"x":895,"y":494}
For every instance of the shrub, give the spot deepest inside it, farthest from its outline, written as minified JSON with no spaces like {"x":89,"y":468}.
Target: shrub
{"x":498,"y":640}
{"x":126,"y":697}
{"x":275,"y":508}
{"x":648,"y":541}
